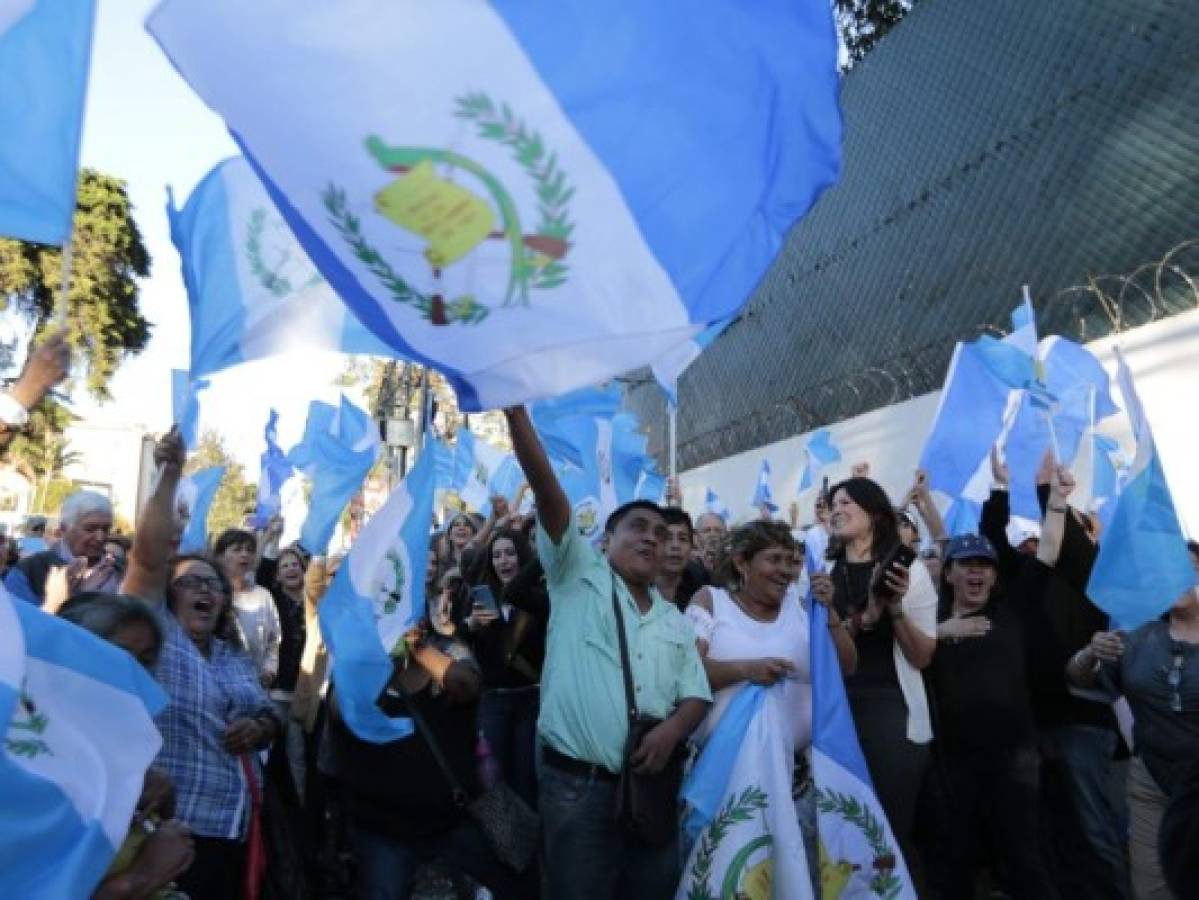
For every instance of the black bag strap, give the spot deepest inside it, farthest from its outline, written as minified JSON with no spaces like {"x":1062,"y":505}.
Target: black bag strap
{"x":461,"y":798}
{"x":625,"y":666}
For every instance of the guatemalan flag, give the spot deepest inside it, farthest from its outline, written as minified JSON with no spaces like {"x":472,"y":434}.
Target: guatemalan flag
{"x":482,"y":471}
{"x":859,"y":855}
{"x":762,"y":493}
{"x":79,"y":735}
{"x":818,"y":453}
{"x":713,"y":504}
{"x":185,"y":404}
{"x":252,"y":290}
{"x":193,"y":500}
{"x":598,"y":452}
{"x":377,"y":594}
{"x":45,"y":48}
{"x":339,"y":447}
{"x":528,"y":197}
{"x":1143,"y":565}
{"x":275,"y":470}
{"x":741,"y":815}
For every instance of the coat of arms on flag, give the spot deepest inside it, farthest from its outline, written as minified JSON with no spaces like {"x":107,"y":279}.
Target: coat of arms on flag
{"x":431,"y":201}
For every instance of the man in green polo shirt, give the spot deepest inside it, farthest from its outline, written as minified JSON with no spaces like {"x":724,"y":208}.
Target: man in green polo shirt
{"x":584,"y":718}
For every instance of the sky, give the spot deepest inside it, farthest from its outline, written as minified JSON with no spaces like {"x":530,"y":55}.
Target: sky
{"x":145,"y":125}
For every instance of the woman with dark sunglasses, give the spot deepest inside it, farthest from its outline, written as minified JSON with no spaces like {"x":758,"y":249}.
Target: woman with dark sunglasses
{"x":1156,"y":668}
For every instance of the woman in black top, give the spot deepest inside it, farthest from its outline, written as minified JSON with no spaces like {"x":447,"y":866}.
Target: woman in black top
{"x":401,"y":807}
{"x":894,"y":634}
{"x":986,"y":752}
{"x":509,"y":643}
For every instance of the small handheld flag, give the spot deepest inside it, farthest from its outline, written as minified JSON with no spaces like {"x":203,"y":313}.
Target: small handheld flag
{"x":377,"y":594}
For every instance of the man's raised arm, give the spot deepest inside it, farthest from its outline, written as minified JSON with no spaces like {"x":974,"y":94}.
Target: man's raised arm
{"x":553,"y":509}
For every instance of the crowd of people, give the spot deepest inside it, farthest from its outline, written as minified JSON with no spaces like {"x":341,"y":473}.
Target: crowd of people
{"x":982,"y":684}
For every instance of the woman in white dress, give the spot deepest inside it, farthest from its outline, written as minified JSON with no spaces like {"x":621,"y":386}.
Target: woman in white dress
{"x":754,"y":629}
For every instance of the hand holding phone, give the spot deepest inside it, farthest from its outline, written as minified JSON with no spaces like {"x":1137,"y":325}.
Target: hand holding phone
{"x":890,"y":580}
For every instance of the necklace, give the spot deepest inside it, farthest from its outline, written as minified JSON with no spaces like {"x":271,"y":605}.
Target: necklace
{"x":745,"y":609}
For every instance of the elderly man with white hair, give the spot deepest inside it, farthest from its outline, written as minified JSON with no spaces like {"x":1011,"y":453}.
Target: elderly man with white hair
{"x":86,"y":519}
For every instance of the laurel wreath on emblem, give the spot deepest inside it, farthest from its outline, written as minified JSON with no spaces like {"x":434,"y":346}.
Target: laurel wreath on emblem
{"x":33,"y":724}
{"x":538,"y":259}
{"x":396,"y":594}
{"x":270,"y":278}
{"x":883,"y":882}
{"x":737,"y":809}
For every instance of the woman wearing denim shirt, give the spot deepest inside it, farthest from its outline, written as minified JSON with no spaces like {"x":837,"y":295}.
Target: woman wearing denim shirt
{"x":218,"y":713}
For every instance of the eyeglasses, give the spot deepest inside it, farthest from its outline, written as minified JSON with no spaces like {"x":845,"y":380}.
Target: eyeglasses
{"x":1174,"y":680}
{"x":210,"y":583}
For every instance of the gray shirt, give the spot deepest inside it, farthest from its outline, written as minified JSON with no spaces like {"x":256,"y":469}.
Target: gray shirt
{"x":1160,"y":678}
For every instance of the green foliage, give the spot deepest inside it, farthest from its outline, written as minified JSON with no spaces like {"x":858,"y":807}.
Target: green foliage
{"x":235,"y":497}
{"x":40,"y":452}
{"x":103,"y":316}
{"x":864,"y":22}
{"x":50,"y":496}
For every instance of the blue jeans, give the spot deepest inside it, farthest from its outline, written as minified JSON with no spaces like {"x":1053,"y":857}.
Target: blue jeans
{"x":1079,"y":759}
{"x":587,"y":855}
{"x":508,"y":719}
{"x":387,"y":867}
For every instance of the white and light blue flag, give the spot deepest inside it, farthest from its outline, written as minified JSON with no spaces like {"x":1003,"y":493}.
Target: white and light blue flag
{"x":670,"y":367}
{"x":859,"y":855}
{"x":972,"y":410}
{"x":713,"y":504}
{"x":740,"y":811}
{"x":185,"y":404}
{"x":251,"y":288}
{"x":1143,"y":566}
{"x":1075,"y":379}
{"x":598,"y":452}
{"x":377,"y":594}
{"x":762,"y":494}
{"x":339,"y":447}
{"x":274,"y":472}
{"x":193,"y":500}
{"x":45,"y":51}
{"x":963,"y":516}
{"x":79,"y":734}
{"x":818,"y":453}
{"x":483,"y":471}
{"x":464,"y":173}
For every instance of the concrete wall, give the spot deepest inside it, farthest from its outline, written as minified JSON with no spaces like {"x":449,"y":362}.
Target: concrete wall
{"x":1163,"y":356}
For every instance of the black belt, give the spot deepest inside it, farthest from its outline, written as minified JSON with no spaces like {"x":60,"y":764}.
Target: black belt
{"x":573,"y":766}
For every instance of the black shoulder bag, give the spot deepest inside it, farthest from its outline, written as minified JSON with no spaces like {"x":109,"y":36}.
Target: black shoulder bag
{"x":647,"y":804}
{"x":511,"y":828}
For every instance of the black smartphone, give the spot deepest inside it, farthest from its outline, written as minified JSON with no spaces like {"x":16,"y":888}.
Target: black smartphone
{"x":900,"y":554}
{"x":482,"y":597}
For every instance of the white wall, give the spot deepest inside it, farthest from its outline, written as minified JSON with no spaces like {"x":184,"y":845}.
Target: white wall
{"x":1163,"y":356}
{"x":110,"y":454}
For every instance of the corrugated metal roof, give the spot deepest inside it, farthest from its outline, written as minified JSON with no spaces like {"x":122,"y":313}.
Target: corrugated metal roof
{"x":988,"y":145}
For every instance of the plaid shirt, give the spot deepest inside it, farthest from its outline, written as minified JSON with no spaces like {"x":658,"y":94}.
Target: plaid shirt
{"x":206,"y":694}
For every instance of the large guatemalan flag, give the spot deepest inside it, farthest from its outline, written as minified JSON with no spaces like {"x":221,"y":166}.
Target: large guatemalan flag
{"x":859,"y":855}
{"x":530,"y":197}
{"x":251,"y":288}
{"x":76,"y":713}
{"x":44,"y":50}
{"x":741,"y":815}
{"x":378,"y":593}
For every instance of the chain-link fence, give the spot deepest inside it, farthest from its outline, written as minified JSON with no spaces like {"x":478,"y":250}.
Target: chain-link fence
{"x":987,"y":146}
